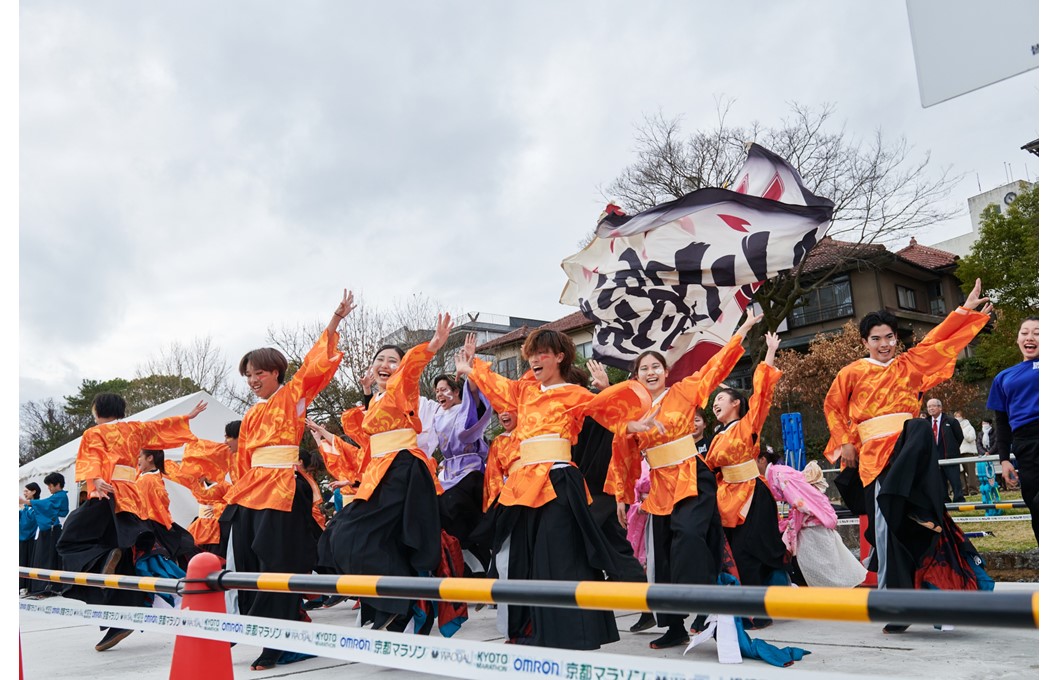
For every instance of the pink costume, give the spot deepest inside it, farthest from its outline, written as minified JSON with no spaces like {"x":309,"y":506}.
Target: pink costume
{"x":637,"y":519}
{"x":810,"y":529}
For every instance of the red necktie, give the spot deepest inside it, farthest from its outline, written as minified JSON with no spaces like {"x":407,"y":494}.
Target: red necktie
{"x":936,"y":437}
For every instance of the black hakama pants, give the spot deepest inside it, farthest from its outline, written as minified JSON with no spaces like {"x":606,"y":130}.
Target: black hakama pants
{"x":91,"y":531}
{"x":396,"y":532}
{"x":460,"y":509}
{"x":756,"y":544}
{"x":557,"y":541}
{"x":46,"y":557}
{"x":689,"y":543}
{"x":25,"y":559}
{"x":273,"y":541}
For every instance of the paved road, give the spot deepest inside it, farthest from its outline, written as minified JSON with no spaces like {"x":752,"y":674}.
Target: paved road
{"x":56,"y":648}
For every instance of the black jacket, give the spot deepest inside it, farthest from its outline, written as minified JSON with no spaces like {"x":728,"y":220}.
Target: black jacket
{"x":951,"y":436}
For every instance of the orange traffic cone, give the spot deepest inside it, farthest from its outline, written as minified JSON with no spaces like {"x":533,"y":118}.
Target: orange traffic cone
{"x":198,"y":657}
{"x":865,"y":549}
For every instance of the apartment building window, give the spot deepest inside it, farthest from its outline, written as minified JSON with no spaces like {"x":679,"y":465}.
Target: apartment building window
{"x":584,"y":349}
{"x":905,"y":298}
{"x":936,"y":299}
{"x":832,"y":301}
{"x":508,"y":367}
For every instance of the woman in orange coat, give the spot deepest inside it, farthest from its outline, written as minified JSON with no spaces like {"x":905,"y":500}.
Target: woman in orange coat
{"x":392,"y":526}
{"x":544,"y":529}
{"x":687,"y":539}
{"x":747,"y":509}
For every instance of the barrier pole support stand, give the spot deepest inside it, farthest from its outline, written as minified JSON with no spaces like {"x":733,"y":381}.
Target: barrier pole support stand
{"x":198,"y":657}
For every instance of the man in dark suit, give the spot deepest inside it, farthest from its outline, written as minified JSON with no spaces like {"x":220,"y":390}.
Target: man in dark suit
{"x":947,"y":438}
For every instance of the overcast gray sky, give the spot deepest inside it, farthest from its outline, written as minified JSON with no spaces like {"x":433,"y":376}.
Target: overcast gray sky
{"x":203,"y":169}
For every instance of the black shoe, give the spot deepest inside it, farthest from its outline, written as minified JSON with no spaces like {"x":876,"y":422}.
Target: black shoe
{"x":646,"y":621}
{"x":112,"y":637}
{"x":673,"y":637}
{"x":332,"y":600}
{"x":894,"y":628}
{"x":316,"y":603}
{"x":698,"y":625}
{"x":268,"y":659}
{"x":383,"y":620}
{"x":757,"y":623}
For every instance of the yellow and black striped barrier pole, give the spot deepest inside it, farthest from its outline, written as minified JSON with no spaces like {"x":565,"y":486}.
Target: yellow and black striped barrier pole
{"x":864,"y":605}
{"x":1008,"y":610}
{"x":966,"y":507}
{"x":147,"y":584}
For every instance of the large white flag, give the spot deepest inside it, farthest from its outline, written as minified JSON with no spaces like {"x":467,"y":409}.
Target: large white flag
{"x":678,"y":275}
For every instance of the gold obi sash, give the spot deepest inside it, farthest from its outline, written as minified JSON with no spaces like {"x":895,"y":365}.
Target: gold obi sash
{"x":547,"y":448}
{"x":882,"y":426}
{"x":124,"y":473}
{"x":385,"y":443}
{"x":671,"y":453}
{"x":743,"y":472}
{"x":278,"y":456}
{"x":205,"y":511}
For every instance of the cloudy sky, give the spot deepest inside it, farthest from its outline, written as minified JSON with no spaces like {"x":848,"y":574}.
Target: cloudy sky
{"x":212,"y":169}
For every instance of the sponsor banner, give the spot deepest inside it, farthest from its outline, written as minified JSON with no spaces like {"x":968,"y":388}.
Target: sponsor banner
{"x":959,"y":520}
{"x":449,"y":657}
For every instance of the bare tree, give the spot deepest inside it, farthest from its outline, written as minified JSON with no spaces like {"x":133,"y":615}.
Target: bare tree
{"x":202,"y":363}
{"x":882,"y":192}
{"x":405,"y":323}
{"x":44,"y":425}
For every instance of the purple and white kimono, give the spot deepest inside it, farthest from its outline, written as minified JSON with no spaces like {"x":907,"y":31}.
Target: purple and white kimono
{"x":460,"y":435}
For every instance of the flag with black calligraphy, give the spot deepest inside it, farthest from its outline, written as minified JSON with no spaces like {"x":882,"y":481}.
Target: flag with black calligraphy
{"x":676,"y":278}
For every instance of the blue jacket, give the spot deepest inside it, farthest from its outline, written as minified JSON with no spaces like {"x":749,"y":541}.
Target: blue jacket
{"x":27,"y":523}
{"x":49,"y":510}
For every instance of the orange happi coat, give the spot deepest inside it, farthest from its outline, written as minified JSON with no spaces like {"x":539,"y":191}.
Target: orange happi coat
{"x":502,"y":452}
{"x":553,"y":410}
{"x":395,"y":409}
{"x":280,"y":421}
{"x":119,"y":443}
{"x":155,"y":498}
{"x":340,"y":459}
{"x":867,"y":389}
{"x":739,"y":443}
{"x":204,"y":529}
{"x":669,"y":485}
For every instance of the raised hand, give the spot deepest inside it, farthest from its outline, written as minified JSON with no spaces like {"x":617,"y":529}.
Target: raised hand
{"x":440,"y":335}
{"x":750,"y":322}
{"x":470,"y":345}
{"x":199,"y":408}
{"x":647,"y":422}
{"x":346,"y":306}
{"x":599,"y":379}
{"x":462,"y":363}
{"x":368,"y":381}
{"x":974,"y":298}
{"x":772,"y":340}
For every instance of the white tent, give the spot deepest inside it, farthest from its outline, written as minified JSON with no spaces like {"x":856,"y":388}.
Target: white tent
{"x":207,"y":425}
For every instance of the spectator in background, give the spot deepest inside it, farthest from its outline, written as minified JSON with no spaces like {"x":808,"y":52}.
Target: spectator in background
{"x":986,"y":446}
{"x":947,"y":438}
{"x":967,"y":449}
